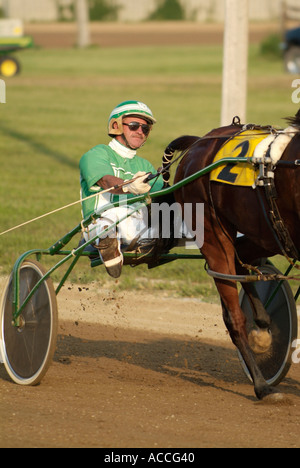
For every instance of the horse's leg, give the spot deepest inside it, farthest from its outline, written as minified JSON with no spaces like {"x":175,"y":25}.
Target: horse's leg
{"x":261,"y":318}
{"x":240,"y":340}
{"x":235,"y":322}
{"x":219,"y":253}
{"x":260,"y":339}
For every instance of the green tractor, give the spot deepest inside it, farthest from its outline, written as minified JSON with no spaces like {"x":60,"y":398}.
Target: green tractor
{"x":11,"y":40}
{"x":9,"y":65}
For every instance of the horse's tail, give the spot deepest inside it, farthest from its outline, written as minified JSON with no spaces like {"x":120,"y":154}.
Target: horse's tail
{"x":180,"y":144}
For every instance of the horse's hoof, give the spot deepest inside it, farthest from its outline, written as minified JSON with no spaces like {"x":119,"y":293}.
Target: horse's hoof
{"x":260,"y":341}
{"x":276,"y":399}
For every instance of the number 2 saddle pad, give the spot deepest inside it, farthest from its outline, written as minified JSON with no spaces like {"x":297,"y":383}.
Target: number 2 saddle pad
{"x":242,"y":145}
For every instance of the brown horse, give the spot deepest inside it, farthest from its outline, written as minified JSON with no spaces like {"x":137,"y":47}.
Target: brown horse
{"x":230,"y":210}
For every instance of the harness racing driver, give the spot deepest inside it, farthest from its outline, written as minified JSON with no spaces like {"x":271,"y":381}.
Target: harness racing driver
{"x":106,"y":166}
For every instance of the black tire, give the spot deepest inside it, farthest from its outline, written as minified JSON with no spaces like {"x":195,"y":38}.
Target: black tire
{"x":292,"y":60}
{"x":28,"y":350}
{"x":276,"y":362}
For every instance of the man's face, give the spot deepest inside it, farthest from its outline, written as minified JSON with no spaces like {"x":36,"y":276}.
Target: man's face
{"x":135,"y":137}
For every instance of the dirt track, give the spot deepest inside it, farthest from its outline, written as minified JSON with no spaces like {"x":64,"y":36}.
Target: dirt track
{"x":143,"y":371}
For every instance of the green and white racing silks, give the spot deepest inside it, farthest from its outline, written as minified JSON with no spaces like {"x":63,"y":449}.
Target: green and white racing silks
{"x":113,"y":159}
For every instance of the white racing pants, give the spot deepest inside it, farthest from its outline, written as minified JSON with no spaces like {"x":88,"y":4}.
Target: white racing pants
{"x":134,"y":225}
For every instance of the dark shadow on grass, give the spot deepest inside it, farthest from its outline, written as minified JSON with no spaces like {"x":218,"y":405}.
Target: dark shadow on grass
{"x":38,"y":146}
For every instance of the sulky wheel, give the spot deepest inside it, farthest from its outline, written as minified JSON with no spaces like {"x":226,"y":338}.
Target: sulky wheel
{"x":28,"y":350}
{"x":275,"y":363}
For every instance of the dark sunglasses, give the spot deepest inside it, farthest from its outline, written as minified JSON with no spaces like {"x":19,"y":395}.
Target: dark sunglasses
{"x":134,"y":126}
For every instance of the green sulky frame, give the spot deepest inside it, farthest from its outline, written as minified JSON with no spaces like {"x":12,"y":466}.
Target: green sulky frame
{"x":28,"y":340}
{"x":75,"y":254}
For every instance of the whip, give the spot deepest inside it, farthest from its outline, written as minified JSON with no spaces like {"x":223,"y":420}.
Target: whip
{"x":115,"y":187}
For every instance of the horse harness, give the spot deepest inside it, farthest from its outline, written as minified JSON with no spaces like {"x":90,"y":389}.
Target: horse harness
{"x":267,"y":167}
{"x":267,"y":164}
{"x":275,"y":221}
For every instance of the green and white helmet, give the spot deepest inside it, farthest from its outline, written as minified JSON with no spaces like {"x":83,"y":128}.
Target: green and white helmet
{"x":134,"y":108}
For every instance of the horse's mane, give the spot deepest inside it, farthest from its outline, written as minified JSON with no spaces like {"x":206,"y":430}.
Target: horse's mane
{"x":295,"y":121}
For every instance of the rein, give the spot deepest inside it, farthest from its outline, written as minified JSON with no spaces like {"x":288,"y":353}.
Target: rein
{"x":115,"y":187}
